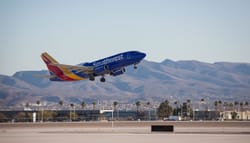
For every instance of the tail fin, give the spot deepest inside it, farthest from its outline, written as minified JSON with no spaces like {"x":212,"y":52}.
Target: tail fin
{"x":48,"y":59}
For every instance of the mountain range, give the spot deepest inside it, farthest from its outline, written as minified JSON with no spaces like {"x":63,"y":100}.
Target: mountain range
{"x":152,"y":81}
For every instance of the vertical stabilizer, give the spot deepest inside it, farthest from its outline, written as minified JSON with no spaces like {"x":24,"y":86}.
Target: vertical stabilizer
{"x":48,"y":59}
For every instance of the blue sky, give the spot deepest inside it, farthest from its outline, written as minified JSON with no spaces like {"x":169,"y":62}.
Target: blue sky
{"x":76,"y":31}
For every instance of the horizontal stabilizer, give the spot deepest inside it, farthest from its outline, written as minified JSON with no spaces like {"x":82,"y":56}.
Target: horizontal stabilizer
{"x":45,"y":76}
{"x":85,"y":69}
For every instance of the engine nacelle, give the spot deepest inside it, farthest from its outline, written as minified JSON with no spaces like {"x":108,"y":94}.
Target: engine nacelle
{"x":101,"y":70}
{"x":118,"y":72}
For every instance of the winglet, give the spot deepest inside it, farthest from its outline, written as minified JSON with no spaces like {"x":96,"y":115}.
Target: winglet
{"x":48,"y":59}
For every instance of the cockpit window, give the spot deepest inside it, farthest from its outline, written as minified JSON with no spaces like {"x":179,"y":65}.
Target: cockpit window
{"x":131,"y":54}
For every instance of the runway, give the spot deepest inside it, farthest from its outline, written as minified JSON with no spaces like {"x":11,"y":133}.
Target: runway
{"x":124,"y":132}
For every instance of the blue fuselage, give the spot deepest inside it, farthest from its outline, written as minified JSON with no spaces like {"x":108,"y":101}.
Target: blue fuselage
{"x":113,"y":65}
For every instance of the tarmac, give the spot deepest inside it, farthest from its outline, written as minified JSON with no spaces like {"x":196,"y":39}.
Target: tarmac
{"x":124,"y":132}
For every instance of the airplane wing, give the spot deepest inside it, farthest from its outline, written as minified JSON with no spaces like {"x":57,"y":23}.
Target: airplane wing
{"x":85,"y":69}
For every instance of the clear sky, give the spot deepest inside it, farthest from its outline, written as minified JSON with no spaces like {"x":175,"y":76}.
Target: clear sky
{"x":75,"y":31}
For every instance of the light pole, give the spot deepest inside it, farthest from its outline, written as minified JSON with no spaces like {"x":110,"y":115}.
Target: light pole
{"x":112,"y":118}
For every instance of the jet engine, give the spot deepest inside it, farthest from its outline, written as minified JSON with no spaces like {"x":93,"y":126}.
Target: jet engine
{"x":101,"y":70}
{"x":118,"y":72}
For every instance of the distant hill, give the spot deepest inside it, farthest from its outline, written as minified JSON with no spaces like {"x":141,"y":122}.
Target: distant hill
{"x":173,"y":80}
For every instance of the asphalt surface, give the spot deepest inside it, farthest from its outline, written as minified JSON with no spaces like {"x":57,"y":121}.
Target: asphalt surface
{"x":124,"y":132}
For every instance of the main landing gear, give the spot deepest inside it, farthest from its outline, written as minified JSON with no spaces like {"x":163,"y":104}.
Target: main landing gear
{"x":92,"y":78}
{"x":102,"y":79}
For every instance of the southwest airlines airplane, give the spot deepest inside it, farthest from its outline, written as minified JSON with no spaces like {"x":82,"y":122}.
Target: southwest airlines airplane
{"x":113,"y":65}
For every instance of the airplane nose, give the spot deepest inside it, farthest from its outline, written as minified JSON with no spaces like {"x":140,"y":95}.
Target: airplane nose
{"x":142,"y":55}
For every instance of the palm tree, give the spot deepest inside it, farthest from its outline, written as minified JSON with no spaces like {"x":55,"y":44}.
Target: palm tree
{"x":93,"y":104}
{"x":241,"y":106}
{"x":202,"y":102}
{"x":246,"y":105}
{"x":175,"y":112}
{"x":27,"y":107}
{"x":204,"y":108}
{"x":166,"y":101}
{"x":115,"y":104}
{"x":184,"y":110}
{"x":38,"y":103}
{"x":216,"y":105}
{"x":72,"y":107}
{"x":138,"y":104}
{"x":220,"y":103}
{"x":236,"y":105}
{"x":83,"y":104}
{"x":60,"y":103}
{"x":27,"y":104}
{"x":38,"y":112}
{"x":175,"y":103}
{"x":189,"y":107}
{"x":241,"y":109}
{"x":148,"y":105}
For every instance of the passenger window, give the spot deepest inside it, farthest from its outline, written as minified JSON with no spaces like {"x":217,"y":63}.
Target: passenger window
{"x":128,"y":56}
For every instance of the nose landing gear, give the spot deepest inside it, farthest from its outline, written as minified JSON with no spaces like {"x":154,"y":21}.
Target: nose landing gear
{"x":135,"y":66}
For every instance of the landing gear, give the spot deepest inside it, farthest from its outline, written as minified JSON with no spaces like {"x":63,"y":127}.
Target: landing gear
{"x":92,"y":78}
{"x":135,"y":66}
{"x":102,"y":79}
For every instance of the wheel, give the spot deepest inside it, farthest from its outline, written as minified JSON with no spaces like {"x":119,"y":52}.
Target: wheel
{"x":135,"y":67}
{"x":102,"y":79}
{"x":92,"y":78}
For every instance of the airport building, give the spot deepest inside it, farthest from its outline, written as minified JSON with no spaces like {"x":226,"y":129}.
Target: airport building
{"x":235,"y":115}
{"x":222,"y":115}
{"x":206,"y":115}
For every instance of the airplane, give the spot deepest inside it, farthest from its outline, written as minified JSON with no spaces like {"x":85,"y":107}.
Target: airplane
{"x":113,"y":65}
